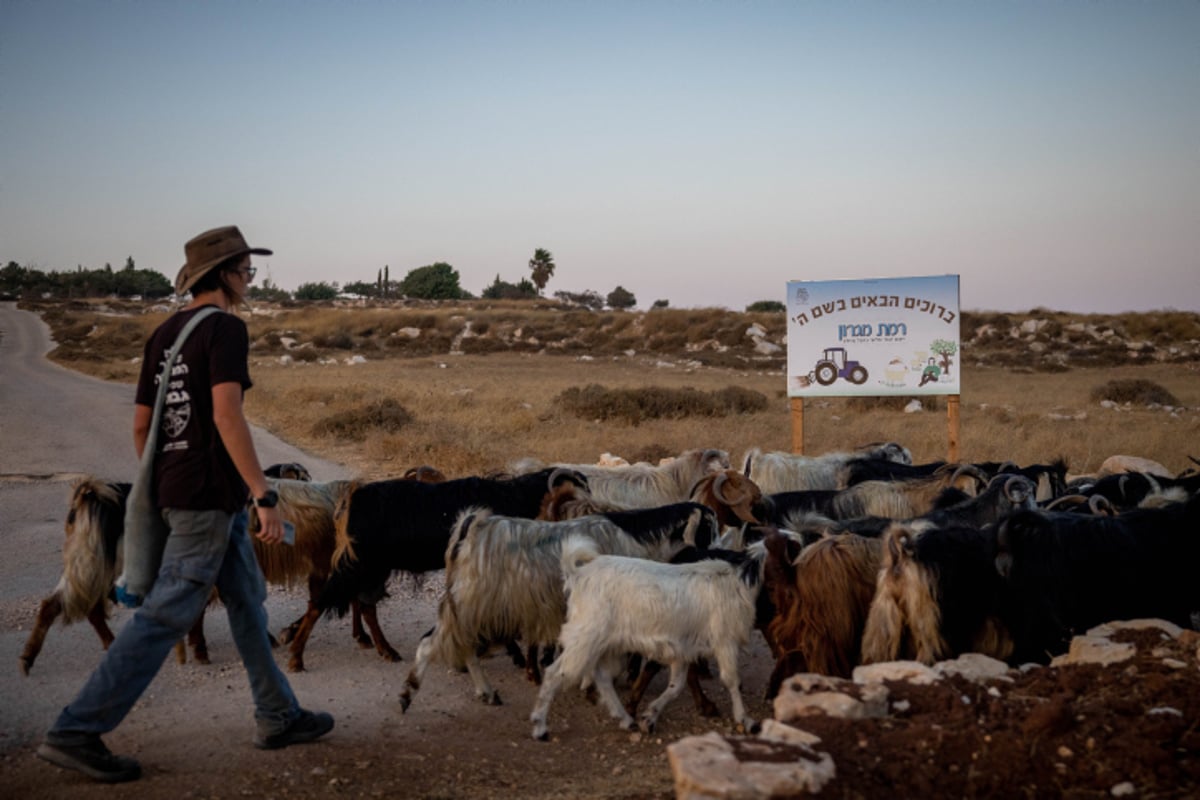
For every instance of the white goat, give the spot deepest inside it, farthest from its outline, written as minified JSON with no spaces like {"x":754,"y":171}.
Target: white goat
{"x":670,"y":613}
{"x":645,"y":485}
{"x":787,"y":472}
{"x":504,"y":579}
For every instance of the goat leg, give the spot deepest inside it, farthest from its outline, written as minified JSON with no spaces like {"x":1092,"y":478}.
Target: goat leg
{"x":356,"y":625}
{"x":98,"y":617}
{"x":705,"y":707}
{"x":533,"y":669}
{"x":47,"y":612}
{"x":790,"y":663}
{"x":296,"y":648}
{"x":198,"y":642}
{"x":381,"y":644}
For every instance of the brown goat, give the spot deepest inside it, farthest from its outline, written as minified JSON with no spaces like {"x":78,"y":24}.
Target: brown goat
{"x":822,"y":594}
{"x":91,"y":563}
{"x":730,"y":494}
{"x":311,"y":507}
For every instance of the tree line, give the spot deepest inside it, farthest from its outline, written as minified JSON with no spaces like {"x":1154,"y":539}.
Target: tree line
{"x":19,"y":281}
{"x":438,"y":281}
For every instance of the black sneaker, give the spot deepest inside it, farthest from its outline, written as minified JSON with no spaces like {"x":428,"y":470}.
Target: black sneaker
{"x":304,"y":728}
{"x":92,"y":759}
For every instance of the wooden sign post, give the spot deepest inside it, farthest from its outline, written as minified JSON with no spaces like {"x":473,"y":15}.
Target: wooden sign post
{"x":798,"y":425}
{"x":952,"y":422}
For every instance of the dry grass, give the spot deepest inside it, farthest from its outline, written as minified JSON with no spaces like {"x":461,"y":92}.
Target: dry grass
{"x":507,"y":392}
{"x":474,"y":414}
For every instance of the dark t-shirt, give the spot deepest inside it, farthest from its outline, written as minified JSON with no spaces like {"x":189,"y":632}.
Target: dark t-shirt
{"x":192,"y":469}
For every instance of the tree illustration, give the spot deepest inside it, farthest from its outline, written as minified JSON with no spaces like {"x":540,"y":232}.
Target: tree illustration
{"x":945,"y":349}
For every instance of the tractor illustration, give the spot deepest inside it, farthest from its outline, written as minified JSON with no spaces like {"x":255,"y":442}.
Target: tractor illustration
{"x":836,"y":364}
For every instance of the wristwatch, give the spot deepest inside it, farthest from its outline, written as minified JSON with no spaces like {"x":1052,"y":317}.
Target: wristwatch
{"x":268,"y":500}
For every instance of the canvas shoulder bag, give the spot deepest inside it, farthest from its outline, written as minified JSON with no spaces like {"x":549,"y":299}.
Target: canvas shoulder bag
{"x":146,"y":531}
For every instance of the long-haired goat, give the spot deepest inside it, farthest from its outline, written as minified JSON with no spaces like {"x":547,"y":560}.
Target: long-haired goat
{"x":938,"y":595}
{"x":821,"y":594}
{"x":787,"y":472}
{"x":905,"y":499}
{"x":92,"y":560}
{"x":310,"y":507}
{"x":646,"y":485}
{"x":504,"y":579}
{"x":1065,"y":573}
{"x":671,"y":613}
{"x":391,"y":526}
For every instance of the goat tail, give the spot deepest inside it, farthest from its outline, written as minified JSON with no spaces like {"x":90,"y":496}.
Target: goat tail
{"x":577,"y":551}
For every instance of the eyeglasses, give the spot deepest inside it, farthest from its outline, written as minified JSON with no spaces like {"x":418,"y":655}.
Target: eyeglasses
{"x":249,"y":272}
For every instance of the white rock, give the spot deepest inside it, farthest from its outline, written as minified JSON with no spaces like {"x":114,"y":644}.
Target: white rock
{"x":913,"y":407}
{"x":975,"y":667}
{"x":1094,"y":650}
{"x":1123,"y":789}
{"x":912,"y":671}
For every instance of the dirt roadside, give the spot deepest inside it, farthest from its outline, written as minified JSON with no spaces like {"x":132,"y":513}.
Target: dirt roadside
{"x":193,"y":727}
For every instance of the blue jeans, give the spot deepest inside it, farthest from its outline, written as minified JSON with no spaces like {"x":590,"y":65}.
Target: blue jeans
{"x":205,"y":548}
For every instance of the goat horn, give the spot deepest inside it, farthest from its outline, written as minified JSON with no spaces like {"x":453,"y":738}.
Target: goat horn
{"x":1100,"y":506}
{"x":562,"y":474}
{"x":1067,"y":500}
{"x":1014,"y":488}
{"x":972,"y":470}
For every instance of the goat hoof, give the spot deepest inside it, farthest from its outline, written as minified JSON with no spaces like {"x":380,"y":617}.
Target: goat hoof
{"x":364,"y":642}
{"x":285,"y":636}
{"x":405,"y":702}
{"x":491,"y":699}
{"x":26,"y":665}
{"x":646,"y":726}
{"x":544,"y":736}
{"x":273,"y":641}
{"x":392,"y":655}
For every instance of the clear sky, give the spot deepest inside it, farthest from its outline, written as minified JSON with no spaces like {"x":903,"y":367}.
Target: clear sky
{"x":705,"y":153}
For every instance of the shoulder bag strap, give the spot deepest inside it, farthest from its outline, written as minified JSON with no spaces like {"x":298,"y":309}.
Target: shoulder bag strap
{"x":165,"y":378}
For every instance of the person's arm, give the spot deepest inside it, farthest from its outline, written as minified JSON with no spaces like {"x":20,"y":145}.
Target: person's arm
{"x":235,"y":434}
{"x":142,"y":416}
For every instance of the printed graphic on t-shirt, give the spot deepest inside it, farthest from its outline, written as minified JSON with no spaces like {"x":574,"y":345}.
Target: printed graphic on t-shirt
{"x":177,"y":411}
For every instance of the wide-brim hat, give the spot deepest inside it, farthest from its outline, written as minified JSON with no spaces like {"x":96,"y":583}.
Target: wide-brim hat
{"x":210,"y":249}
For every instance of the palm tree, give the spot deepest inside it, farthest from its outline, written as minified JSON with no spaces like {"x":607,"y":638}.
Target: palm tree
{"x":542,"y":266}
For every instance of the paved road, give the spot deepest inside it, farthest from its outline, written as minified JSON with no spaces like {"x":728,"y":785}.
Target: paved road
{"x":56,"y":424}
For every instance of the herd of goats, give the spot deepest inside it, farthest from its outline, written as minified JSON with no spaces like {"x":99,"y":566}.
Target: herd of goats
{"x":582,"y":571}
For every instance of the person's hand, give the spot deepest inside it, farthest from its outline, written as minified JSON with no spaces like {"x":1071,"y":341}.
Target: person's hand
{"x":270,"y":525}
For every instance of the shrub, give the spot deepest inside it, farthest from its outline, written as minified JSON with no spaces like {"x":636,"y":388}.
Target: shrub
{"x":383,"y":416}
{"x":1134,"y":390}
{"x":637,"y":405}
{"x":772,"y":306}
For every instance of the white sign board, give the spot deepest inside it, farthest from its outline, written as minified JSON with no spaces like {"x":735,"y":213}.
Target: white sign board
{"x":861,"y":338}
